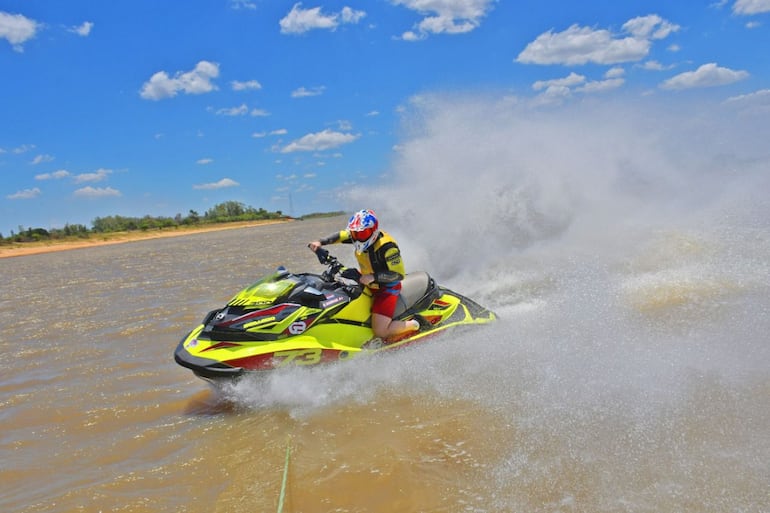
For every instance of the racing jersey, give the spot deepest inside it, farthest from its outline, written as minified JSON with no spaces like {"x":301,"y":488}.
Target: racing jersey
{"x":382,"y":259}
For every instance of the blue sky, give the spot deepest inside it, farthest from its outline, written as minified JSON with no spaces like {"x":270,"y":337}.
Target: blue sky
{"x":159,"y":107}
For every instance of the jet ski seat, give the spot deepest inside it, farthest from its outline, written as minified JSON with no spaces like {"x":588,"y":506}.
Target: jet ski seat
{"x":418,"y":290}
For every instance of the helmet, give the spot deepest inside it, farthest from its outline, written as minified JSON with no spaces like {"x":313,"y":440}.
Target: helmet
{"x":364,"y":229}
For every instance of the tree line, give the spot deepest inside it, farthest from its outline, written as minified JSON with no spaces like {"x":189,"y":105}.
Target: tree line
{"x":227,"y":212}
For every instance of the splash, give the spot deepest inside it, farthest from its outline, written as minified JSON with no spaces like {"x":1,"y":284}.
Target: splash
{"x":625,"y":247}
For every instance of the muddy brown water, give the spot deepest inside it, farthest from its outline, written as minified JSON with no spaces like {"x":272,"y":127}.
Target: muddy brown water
{"x":538,"y":414}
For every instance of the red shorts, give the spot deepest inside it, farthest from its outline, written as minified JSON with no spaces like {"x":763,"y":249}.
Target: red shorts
{"x":385,"y":300}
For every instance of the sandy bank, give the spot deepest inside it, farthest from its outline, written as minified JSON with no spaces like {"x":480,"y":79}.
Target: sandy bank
{"x":34,"y":248}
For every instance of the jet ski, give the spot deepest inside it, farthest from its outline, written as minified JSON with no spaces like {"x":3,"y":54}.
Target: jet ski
{"x":304,"y":319}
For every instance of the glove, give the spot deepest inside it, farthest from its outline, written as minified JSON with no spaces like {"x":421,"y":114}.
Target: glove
{"x":351,"y":274}
{"x":323,"y":255}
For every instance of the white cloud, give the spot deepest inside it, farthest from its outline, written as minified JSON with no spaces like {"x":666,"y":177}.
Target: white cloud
{"x":763,"y":96}
{"x":259,"y":135}
{"x":299,"y":20}
{"x":581,"y":45}
{"x":557,"y":90}
{"x":96,"y":192}
{"x":572,"y":80}
{"x":56,"y":175}
{"x":243,"y":4}
{"x":17,"y":29}
{"x":651,"y":26}
{"x":84,"y":29}
{"x":749,"y":7}
{"x":24,"y":148}
{"x":41,"y":159}
{"x":241,"y":110}
{"x":25,"y":194}
{"x":245,"y":86}
{"x":445,"y":16}
{"x":197,"y":81}
{"x":303,"y":92}
{"x":221,"y":184}
{"x":96,"y":176}
{"x":349,"y":15}
{"x":600,"y":86}
{"x":756,"y":103}
{"x":323,"y":140}
{"x":708,"y":75}
{"x":205,"y":161}
{"x":654,"y":65}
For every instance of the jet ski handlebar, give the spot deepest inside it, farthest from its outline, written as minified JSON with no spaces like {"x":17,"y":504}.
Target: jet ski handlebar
{"x":335,"y":266}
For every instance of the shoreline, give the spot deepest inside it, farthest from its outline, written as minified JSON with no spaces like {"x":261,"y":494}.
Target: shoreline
{"x":50,"y":246}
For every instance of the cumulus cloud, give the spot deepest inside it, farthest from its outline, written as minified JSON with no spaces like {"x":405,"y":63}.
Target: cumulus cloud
{"x":278,"y":131}
{"x":304,"y":92}
{"x":323,"y":140}
{"x":24,"y":148}
{"x":569,"y":81}
{"x":243,"y":4}
{"x":221,"y":184}
{"x":241,"y":110}
{"x":245,"y":86}
{"x":84,"y":29}
{"x":17,"y":29}
{"x":445,"y":17}
{"x":56,"y":175}
{"x":96,"y":176}
{"x":197,"y":81}
{"x":749,"y":7}
{"x":25,"y":194}
{"x":41,"y":159}
{"x":300,"y":20}
{"x":581,"y":45}
{"x":557,"y":90}
{"x":708,"y":75}
{"x":204,"y":161}
{"x":761,"y":97}
{"x":600,"y":86}
{"x":96,"y":192}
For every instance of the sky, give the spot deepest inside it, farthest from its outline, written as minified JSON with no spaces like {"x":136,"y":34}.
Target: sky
{"x":159,"y":108}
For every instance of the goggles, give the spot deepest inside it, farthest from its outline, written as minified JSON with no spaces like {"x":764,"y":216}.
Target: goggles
{"x":363,"y":235}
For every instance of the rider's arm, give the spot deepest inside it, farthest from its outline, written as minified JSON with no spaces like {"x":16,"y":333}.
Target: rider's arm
{"x":395,"y":268}
{"x":341,"y":236}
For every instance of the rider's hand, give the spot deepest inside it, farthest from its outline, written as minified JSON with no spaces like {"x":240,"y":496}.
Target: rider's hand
{"x":366,"y":279}
{"x":314,"y":245}
{"x":351,"y":274}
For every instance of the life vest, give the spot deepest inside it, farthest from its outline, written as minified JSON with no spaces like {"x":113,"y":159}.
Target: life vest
{"x":382,"y":259}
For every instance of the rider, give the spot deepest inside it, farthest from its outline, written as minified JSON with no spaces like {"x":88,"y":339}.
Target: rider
{"x":381,"y":270}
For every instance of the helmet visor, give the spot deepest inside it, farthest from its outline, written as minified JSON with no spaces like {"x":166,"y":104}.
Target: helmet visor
{"x":362,"y":235}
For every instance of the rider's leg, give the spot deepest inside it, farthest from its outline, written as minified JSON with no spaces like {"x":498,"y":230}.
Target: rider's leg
{"x":384,"y":327}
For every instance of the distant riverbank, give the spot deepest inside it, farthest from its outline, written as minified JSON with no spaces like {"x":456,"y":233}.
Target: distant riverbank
{"x":33,"y":248}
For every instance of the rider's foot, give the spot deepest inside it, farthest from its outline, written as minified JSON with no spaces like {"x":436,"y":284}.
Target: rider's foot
{"x":422,"y":322}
